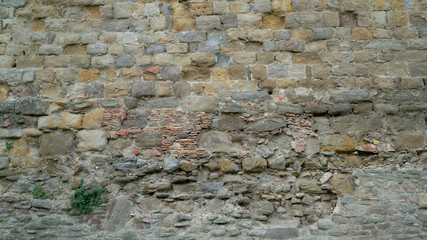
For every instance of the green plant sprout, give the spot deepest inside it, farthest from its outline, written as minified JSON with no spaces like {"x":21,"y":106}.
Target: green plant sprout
{"x":9,"y":146}
{"x":38,"y":193}
{"x":84,"y":200}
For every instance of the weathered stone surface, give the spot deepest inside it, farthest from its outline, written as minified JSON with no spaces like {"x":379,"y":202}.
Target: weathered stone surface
{"x":70,"y":121}
{"x":282,"y":233}
{"x":342,"y":183}
{"x":231,"y":123}
{"x":149,"y":139}
{"x":263,"y":207}
{"x":120,"y":212}
{"x":277,"y":162}
{"x":215,"y":141}
{"x":254,"y":164}
{"x":409,"y":140}
{"x":250,"y":96}
{"x":33,"y":106}
{"x":200,"y":104}
{"x":91,"y":140}
{"x":352,"y":96}
{"x":56,"y":143}
{"x":269,"y":124}
{"x":171,"y":164}
{"x":143,"y":89}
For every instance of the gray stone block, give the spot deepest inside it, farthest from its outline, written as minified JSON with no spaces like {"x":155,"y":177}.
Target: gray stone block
{"x":94,"y":90}
{"x":97,"y":49}
{"x":172,"y":74}
{"x":148,"y":139}
{"x":32,"y":106}
{"x":7,"y":107}
{"x":192,"y":36}
{"x":386,"y":45}
{"x":222,"y":60}
{"x":143,"y":89}
{"x":292,"y":46}
{"x":277,"y":71}
{"x":251,"y":96}
{"x":10,"y":133}
{"x":272,"y":46}
{"x":117,"y":25}
{"x":217,"y":36}
{"x":125,"y":61}
{"x":13,"y":3}
{"x":56,"y":143}
{"x":229,"y":21}
{"x":282,"y":34}
{"x":155,"y":49}
{"x":210,"y":47}
{"x":322,"y":33}
{"x":262,"y":6}
{"x":50,"y":50}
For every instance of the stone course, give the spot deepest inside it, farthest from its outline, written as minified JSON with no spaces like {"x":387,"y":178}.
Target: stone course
{"x":257,"y":119}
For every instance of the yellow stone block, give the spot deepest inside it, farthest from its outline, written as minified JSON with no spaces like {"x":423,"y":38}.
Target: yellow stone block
{"x":273,"y":22}
{"x":87,"y":76}
{"x":220,"y":74}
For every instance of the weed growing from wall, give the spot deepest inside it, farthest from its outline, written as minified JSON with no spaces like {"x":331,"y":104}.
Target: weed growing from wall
{"x":84,"y":200}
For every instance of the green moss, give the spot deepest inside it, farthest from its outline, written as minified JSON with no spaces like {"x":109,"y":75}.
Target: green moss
{"x":38,"y":193}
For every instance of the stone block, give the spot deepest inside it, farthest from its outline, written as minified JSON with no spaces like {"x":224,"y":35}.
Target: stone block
{"x":97,"y":49}
{"x":254,"y":164}
{"x":195,"y":74}
{"x":148,"y":139}
{"x":158,"y":23}
{"x":6,"y":61}
{"x":228,"y":21}
{"x":208,"y":22}
{"x":249,"y":20}
{"x":102,"y":62}
{"x":251,"y":96}
{"x":292,"y":46}
{"x":322,"y":33}
{"x":94,"y":90}
{"x":71,"y":121}
{"x":92,"y":119}
{"x":353,"y":96}
{"x":125,"y":61}
{"x":243,"y":58}
{"x":202,"y":59}
{"x":87,"y":76}
{"x":172,"y":74}
{"x":306,"y":58}
{"x":123,"y":10}
{"x":277,"y":71}
{"x":231,"y":123}
{"x":348,"y":19}
{"x":210,"y":47}
{"x":397,"y":19}
{"x":418,"y":69}
{"x":338,"y":143}
{"x":56,"y":143}
{"x":32,"y":106}
{"x":269,"y":124}
{"x":91,"y":140}
{"x":200,"y":104}
{"x":362,"y":34}
{"x":282,"y":233}
{"x":48,"y":122}
{"x":4,"y":92}
{"x":262,"y":6}
{"x":200,"y":8}
{"x":116,"y":25}
{"x":184,"y":24}
{"x":192,"y":36}
{"x":386,"y":45}
{"x":50,"y":50}
{"x":259,"y":72}
{"x":143,"y":89}
{"x":10,"y":133}
{"x":409,"y":140}
{"x":342,"y":183}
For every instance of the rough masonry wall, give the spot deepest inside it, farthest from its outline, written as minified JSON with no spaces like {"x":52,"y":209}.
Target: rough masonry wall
{"x":252,"y":119}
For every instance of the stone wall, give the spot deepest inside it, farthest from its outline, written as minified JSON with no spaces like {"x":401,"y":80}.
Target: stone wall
{"x":254,"y":119}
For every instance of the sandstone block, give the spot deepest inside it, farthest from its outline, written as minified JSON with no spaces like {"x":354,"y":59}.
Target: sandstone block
{"x":56,"y":143}
{"x":292,"y":46}
{"x":92,"y":119}
{"x":273,"y":22}
{"x":338,"y":143}
{"x":87,"y":76}
{"x":195,"y":74}
{"x":262,"y":6}
{"x":184,"y":24}
{"x":48,"y":122}
{"x":254,"y":164}
{"x":249,"y":20}
{"x":202,"y":59}
{"x":116,"y":90}
{"x":91,"y":140}
{"x":50,"y":50}
{"x":106,"y":61}
{"x":71,"y":121}
{"x":208,"y":22}
{"x":342,"y":183}
{"x":188,"y":166}
{"x":277,"y":71}
{"x":200,"y":8}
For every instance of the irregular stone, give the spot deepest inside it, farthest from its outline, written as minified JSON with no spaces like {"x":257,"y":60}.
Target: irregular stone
{"x":172,"y":74}
{"x":422,"y":200}
{"x":188,"y":166}
{"x":262,"y":207}
{"x":310,"y":186}
{"x":277,"y":162}
{"x":233,"y":108}
{"x":215,"y":141}
{"x":92,"y":119}
{"x":225,"y":165}
{"x":212,"y":186}
{"x":192,"y":36}
{"x":10,"y":133}
{"x":353,"y":96}
{"x":386,"y":45}
{"x":171,"y":164}
{"x":48,"y":122}
{"x":92,"y":140}
{"x":125,"y":167}
{"x":119,"y":216}
{"x":251,"y":96}
{"x":338,"y":143}
{"x":32,"y":106}
{"x":56,"y":143}
{"x":231,"y":123}
{"x":143,"y":89}
{"x":254,"y":164}
{"x":200,"y":104}
{"x":70,"y":121}
{"x":148,"y":139}
{"x":269,"y":124}
{"x":125,"y":61}
{"x":282,"y":233}
{"x":342,"y":183}
{"x":409,"y":140}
